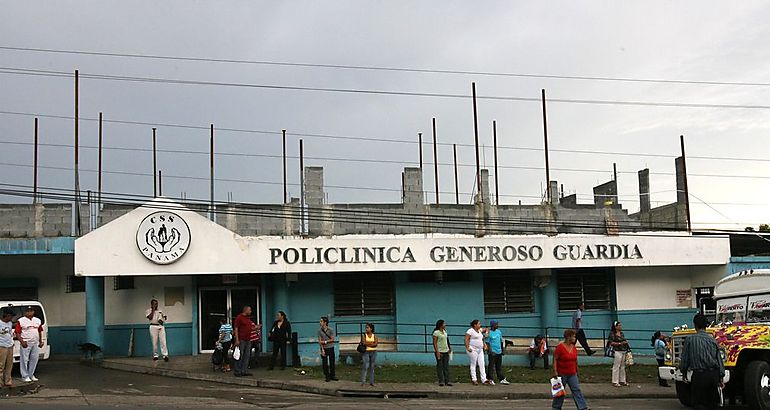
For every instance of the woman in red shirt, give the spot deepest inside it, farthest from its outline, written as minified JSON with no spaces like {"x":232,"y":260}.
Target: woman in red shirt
{"x":565,"y":366}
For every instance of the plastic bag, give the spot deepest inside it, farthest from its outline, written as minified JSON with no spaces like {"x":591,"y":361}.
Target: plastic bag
{"x":629,"y":358}
{"x":557,"y":388}
{"x":237,"y":353}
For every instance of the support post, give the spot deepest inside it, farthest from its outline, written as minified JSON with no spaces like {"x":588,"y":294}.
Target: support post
{"x":457,"y":184}
{"x":34,"y":172}
{"x":285,"y":183}
{"x":419,"y":143}
{"x":476,"y":142}
{"x":154,"y":165}
{"x":76,"y":207}
{"x":95,"y":310}
{"x":99,"y":176}
{"x":497,"y":180}
{"x":301,"y":188}
{"x":545,"y":139}
{"x":435,"y":160}
{"x":211,"y":172}
{"x":686,"y":188}
{"x":160,"y":182}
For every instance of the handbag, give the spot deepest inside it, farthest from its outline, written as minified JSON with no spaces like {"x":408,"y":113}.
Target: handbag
{"x":609,"y":351}
{"x":629,"y":358}
{"x":361,"y":346}
{"x":557,"y":388}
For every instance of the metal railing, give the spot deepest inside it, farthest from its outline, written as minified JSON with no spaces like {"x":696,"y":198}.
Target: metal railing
{"x":418,"y":337}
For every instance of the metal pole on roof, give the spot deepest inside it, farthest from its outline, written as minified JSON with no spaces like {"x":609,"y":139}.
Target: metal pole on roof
{"x":686,"y":189}
{"x":154,"y":165}
{"x":545,"y":139}
{"x":497,"y":181}
{"x":435,"y":160}
{"x":211,"y":171}
{"x":34,"y":172}
{"x":457,"y":185}
{"x":419,"y":143}
{"x":285,"y":184}
{"x":476,"y":142}
{"x":99,"y":176}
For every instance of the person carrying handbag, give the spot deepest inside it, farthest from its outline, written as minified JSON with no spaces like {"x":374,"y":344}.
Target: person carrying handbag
{"x":619,"y":344}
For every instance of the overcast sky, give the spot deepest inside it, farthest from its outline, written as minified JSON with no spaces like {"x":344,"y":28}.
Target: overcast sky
{"x":682,"y":40}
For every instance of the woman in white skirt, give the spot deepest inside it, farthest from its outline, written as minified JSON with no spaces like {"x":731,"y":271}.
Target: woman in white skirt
{"x":474,"y":345}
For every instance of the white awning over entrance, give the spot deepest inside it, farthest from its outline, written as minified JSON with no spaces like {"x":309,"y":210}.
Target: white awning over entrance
{"x":165,"y":238}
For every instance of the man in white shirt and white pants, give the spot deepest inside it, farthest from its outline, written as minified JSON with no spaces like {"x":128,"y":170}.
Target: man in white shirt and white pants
{"x":30,"y":334}
{"x":157,"y":330}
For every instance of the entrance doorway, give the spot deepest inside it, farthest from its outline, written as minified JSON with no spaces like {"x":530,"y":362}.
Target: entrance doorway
{"x":219,"y":302}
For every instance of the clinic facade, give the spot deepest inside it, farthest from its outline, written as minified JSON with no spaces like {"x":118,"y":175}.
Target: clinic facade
{"x":357,"y":263}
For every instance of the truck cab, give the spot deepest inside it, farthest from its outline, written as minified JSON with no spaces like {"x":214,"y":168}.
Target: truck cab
{"x":742,"y":330}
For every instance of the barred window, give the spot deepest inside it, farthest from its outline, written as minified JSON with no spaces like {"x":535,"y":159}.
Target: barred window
{"x":123,"y":282}
{"x":363,"y":294}
{"x":76,"y":284}
{"x":589,"y":285}
{"x":508,"y":292}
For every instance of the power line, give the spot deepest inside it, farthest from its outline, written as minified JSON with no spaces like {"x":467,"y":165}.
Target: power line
{"x":385,"y":68}
{"x":52,"y":73}
{"x":371,"y":139}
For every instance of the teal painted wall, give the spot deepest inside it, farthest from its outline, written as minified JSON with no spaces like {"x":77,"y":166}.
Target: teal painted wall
{"x":37,"y":246}
{"x":739,"y":263}
{"x":65,"y":339}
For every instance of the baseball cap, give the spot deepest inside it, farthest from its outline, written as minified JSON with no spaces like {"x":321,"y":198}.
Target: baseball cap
{"x":493,"y":322}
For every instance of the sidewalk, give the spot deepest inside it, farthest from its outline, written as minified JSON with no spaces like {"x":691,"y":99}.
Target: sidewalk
{"x":199,"y":368}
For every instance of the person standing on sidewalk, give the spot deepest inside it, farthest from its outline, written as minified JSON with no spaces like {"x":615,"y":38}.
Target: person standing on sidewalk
{"x":29,"y":330}
{"x":6,"y":347}
{"x":370,"y":355}
{"x":474,"y":345}
{"x":226,"y":341}
{"x":279,"y":335}
{"x":442,"y":350}
{"x":565,"y":366}
{"x":326,"y":342}
{"x":157,"y":330}
{"x":241,"y":334}
{"x":659,"y":343}
{"x":618,"y":342}
{"x":700,"y":354}
{"x":495,"y":346}
{"x":577,"y":324}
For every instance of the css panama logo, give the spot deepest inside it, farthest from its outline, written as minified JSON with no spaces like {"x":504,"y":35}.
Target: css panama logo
{"x":163,"y":237}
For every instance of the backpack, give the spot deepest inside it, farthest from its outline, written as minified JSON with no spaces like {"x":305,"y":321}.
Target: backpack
{"x":218,"y":357}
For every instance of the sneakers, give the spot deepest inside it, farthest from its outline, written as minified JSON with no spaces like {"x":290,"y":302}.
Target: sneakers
{"x":27,"y":380}
{"x":34,"y":379}
{"x":165,"y":358}
{"x":505,"y":381}
{"x":155,"y":358}
{"x":489,"y":382}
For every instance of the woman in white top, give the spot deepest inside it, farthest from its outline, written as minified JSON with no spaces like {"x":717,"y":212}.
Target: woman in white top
{"x":474,"y":345}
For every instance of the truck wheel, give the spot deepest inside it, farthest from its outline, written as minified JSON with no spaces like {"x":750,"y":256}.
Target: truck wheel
{"x":683,"y":394}
{"x":756,"y":385}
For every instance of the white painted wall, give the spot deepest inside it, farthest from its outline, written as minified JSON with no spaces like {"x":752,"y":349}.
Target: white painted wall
{"x":655,"y":288}
{"x":127,"y":306}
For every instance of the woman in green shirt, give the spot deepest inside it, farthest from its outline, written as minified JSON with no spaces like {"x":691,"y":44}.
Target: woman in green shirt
{"x":442,"y":350}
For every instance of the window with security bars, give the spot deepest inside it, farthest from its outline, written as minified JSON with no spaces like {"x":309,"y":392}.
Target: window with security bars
{"x":363,"y":294}
{"x":76,"y":284}
{"x":508,"y":292}
{"x":123,"y":282}
{"x":590,"y":285}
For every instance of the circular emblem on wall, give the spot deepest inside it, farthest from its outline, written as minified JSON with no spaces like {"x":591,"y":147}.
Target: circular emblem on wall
{"x":163,"y":237}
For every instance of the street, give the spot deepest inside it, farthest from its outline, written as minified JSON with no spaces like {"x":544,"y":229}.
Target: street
{"x":68,"y":384}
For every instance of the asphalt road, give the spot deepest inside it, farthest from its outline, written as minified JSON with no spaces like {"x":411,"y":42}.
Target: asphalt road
{"x":67,"y":384}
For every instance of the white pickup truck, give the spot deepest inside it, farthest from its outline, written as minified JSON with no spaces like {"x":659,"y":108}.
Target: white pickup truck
{"x":18,"y":307}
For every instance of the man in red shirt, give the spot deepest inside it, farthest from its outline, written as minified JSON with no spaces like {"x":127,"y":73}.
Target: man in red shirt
{"x":241,"y":335}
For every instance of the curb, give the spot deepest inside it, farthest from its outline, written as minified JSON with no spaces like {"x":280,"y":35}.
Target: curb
{"x":481,"y":393}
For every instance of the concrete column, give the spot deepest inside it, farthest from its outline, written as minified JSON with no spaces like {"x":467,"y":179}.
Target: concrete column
{"x":95,"y":310}
{"x":194,"y":345}
{"x":644,"y":190}
{"x":314,"y":199}
{"x":413,"y":192}
{"x":484,"y":188}
{"x":607,"y":191}
{"x":680,"y":176}
{"x":554,"y":189}
{"x":548,"y":301}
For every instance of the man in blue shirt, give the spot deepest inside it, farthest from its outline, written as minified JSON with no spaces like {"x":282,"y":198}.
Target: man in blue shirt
{"x":495,"y":346}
